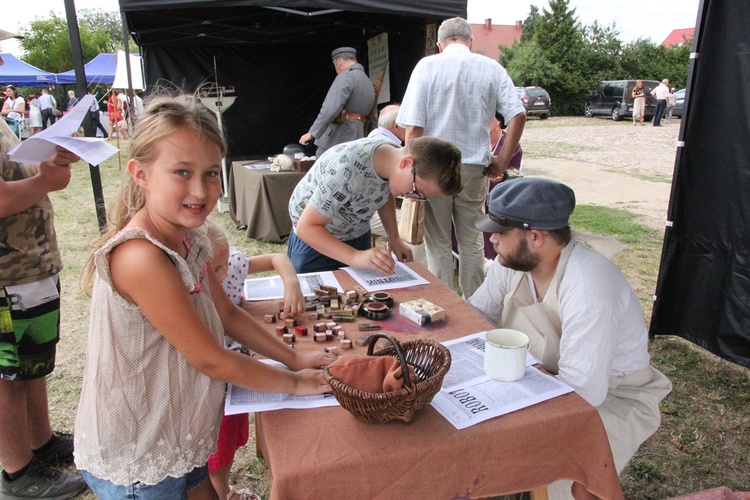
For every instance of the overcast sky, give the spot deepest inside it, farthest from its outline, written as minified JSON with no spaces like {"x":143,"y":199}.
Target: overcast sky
{"x":654,"y":20}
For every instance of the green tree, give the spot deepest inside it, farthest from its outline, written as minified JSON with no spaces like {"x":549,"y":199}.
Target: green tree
{"x":560,"y":38}
{"x":527,"y":30}
{"x":604,"y":51}
{"x":47,"y":42}
{"x":527,"y":65}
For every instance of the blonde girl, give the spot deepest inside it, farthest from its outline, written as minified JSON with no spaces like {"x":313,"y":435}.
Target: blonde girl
{"x":153,"y":382}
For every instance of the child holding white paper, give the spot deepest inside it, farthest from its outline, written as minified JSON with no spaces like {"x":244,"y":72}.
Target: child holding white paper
{"x":153,"y":383}
{"x":232,"y":267}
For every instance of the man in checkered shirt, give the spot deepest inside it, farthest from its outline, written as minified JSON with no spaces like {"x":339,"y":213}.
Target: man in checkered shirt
{"x":454,"y":95}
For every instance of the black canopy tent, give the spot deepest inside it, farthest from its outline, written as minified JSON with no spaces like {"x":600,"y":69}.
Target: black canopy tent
{"x":276,"y":55}
{"x":703,"y":289}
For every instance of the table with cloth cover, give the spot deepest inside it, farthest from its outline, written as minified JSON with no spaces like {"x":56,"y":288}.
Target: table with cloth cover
{"x":259,"y":199}
{"x":328,"y":453}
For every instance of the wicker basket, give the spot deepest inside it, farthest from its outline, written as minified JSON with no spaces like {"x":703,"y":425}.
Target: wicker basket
{"x":430,"y":361}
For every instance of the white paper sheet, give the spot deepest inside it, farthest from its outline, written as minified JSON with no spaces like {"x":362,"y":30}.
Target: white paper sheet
{"x":240,"y":400}
{"x":485,"y":400}
{"x":273,"y":288}
{"x":467,"y":362}
{"x":41,"y":146}
{"x":257,"y":166}
{"x":373,"y":281}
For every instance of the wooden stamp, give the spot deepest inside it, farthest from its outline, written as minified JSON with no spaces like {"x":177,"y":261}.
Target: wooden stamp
{"x":269,"y":318}
{"x":367,"y":327}
{"x":345,"y":344}
{"x":364,"y":339}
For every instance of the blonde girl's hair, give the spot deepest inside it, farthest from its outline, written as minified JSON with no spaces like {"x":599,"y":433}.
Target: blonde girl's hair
{"x":166,"y":112}
{"x":216,"y":236}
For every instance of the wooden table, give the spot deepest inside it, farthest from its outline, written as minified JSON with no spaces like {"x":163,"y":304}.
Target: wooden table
{"x":259,"y":199}
{"x":327,"y":453}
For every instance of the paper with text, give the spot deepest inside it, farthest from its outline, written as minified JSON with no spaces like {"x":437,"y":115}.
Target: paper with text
{"x":485,"y":400}
{"x":373,"y":281}
{"x":241,"y":400}
{"x":41,"y":146}
{"x":273,"y":288}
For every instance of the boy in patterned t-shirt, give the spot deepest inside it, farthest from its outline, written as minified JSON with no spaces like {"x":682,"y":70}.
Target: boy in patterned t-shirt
{"x":332,"y":205}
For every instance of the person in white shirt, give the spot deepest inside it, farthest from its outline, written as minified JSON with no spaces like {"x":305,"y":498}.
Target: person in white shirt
{"x":583,"y":319}
{"x":137,"y":105}
{"x":13,"y":109}
{"x":454,"y":95}
{"x":48,"y":104}
{"x":661,"y":93}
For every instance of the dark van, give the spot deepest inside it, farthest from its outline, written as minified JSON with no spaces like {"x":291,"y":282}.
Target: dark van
{"x":615,"y":98}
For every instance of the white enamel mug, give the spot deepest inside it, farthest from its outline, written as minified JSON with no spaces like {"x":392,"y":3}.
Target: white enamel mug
{"x":505,"y":354}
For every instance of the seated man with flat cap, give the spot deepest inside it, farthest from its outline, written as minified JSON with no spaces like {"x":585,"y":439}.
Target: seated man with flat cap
{"x":583,"y":319}
{"x":346,"y":106}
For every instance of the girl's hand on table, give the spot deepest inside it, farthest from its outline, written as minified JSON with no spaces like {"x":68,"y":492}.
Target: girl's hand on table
{"x":310,"y":382}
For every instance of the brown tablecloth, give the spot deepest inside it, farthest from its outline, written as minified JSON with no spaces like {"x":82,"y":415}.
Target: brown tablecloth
{"x":327,"y":453}
{"x":259,"y":199}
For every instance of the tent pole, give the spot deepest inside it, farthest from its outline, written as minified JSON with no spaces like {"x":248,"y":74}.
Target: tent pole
{"x":88,"y":128}
{"x":126,"y":43}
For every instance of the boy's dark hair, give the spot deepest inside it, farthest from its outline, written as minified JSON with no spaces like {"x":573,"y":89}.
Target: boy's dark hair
{"x":437,"y":160}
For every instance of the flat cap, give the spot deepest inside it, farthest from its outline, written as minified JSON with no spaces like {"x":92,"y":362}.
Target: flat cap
{"x":529,"y":203}
{"x":343,"y":51}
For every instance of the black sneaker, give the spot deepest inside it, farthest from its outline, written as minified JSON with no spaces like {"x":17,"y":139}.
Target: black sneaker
{"x":41,"y":481}
{"x":60,"y":451}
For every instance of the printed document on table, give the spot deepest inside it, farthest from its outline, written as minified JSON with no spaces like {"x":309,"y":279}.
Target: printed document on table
{"x":485,"y":400}
{"x":240,"y":400}
{"x":467,"y":362}
{"x":373,"y":281}
{"x":41,"y":146}
{"x":273,"y":288}
{"x":257,"y":166}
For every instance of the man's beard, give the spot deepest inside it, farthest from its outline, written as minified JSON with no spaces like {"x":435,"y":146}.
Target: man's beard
{"x":522,"y":259}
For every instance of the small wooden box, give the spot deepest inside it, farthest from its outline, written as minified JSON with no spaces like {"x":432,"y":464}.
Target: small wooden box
{"x":303,"y":165}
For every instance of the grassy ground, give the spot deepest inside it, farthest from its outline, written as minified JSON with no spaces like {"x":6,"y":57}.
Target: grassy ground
{"x":703,"y":441}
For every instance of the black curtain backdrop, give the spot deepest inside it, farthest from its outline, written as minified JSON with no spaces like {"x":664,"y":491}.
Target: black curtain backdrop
{"x":279,"y":62}
{"x":703,"y":289}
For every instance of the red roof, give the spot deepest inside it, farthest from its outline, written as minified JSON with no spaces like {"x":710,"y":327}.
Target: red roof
{"x":678,"y":37}
{"x":488,"y":36}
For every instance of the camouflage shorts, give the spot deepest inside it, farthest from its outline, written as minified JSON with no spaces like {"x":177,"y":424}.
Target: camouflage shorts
{"x":28,"y":352}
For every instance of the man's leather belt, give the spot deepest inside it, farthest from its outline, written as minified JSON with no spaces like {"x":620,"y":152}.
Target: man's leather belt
{"x":355,"y":116}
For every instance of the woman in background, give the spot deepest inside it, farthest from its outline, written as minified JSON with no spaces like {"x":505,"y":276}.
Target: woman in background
{"x":35,"y":115}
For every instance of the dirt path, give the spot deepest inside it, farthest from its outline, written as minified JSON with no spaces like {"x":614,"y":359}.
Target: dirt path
{"x":607,"y":163}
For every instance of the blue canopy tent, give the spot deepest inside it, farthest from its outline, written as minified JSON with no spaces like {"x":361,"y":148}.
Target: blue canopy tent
{"x":18,"y":73}
{"x":100,"y":70}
